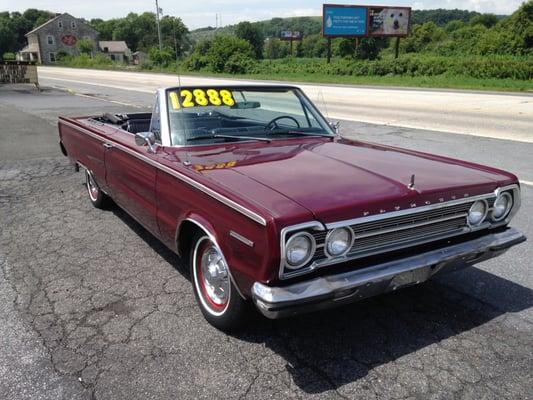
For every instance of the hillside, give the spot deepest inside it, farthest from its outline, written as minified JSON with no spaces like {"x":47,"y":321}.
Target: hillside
{"x":313,"y":25}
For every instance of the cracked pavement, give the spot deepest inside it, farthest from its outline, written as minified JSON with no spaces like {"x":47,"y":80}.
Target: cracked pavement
{"x":94,"y":307}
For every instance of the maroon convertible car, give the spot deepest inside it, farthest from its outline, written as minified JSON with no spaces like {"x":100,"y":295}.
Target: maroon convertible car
{"x":268,"y":205}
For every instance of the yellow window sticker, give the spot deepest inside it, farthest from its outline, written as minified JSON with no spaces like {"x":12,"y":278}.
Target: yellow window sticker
{"x":188,"y":98}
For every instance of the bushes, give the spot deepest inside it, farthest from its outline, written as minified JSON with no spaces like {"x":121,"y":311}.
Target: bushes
{"x":9,"y":56}
{"x":407,"y":65}
{"x":162,"y":57}
{"x":239,"y":64}
{"x":224,"y":53}
{"x":85,"y":61}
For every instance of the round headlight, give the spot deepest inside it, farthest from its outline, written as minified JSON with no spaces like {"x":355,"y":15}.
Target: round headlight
{"x":299,"y":250}
{"x":477,"y":213}
{"x":502,"y":206}
{"x":338,"y":242}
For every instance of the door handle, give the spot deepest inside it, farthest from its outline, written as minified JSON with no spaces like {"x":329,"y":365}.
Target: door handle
{"x":108,"y":145}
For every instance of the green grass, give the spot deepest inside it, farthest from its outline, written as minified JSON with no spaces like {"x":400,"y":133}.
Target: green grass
{"x":437,"y":82}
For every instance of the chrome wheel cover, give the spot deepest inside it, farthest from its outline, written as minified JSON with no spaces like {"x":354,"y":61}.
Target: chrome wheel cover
{"x":92,"y":187}
{"x":211,"y":277}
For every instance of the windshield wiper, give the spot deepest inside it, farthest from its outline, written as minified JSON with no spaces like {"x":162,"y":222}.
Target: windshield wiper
{"x":218,"y":136}
{"x":296,"y":132}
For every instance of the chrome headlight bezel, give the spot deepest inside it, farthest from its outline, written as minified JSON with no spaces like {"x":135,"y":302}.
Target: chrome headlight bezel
{"x":349,"y":243}
{"x":310,"y":253}
{"x":507,"y":210}
{"x":483,"y":217}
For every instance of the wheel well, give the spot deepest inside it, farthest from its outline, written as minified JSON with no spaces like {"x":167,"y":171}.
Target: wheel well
{"x":184,"y":238}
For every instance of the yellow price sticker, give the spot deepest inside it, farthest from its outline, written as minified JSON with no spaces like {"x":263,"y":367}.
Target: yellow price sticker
{"x":188,"y":98}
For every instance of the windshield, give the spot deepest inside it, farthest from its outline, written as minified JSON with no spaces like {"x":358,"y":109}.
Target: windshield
{"x":218,"y":115}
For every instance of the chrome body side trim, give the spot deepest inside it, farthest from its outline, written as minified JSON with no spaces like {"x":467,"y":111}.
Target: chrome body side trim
{"x":224,"y":200}
{"x":334,"y":290}
{"x":241,"y":238}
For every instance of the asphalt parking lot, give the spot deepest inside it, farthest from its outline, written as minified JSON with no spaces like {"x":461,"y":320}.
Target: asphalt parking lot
{"x":97,"y":308}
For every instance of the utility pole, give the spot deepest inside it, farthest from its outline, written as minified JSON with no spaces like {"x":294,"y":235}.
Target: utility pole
{"x":157,"y":9}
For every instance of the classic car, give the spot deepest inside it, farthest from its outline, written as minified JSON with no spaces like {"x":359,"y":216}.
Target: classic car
{"x":269,"y":206}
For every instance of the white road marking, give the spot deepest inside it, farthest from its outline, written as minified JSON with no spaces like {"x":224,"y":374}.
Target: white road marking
{"x":527,"y":183}
{"x":121,"y":87}
{"x":107,"y":100}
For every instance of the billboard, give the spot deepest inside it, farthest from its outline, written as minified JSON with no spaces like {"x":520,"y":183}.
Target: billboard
{"x":291,"y":35}
{"x":344,"y":21}
{"x":389,"y":21}
{"x":365,"y":21}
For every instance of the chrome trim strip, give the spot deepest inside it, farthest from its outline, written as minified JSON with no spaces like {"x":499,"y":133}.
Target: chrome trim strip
{"x":241,"y":238}
{"x":224,"y":200}
{"x":409,"y":211}
{"x":213,"y":239}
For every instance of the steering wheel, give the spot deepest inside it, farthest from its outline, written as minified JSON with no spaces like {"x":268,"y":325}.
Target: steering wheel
{"x":274,"y":123}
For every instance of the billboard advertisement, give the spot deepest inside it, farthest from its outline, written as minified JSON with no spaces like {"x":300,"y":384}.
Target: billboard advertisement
{"x":344,"y":21}
{"x":291,"y":35}
{"x":389,"y":21}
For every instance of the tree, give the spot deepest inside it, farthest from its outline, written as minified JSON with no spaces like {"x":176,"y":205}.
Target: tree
{"x":487,"y":20}
{"x":162,"y":57}
{"x":174,"y":34}
{"x":253,"y":35}
{"x":85,"y":46}
{"x":223,"y":47}
{"x":275,"y":48}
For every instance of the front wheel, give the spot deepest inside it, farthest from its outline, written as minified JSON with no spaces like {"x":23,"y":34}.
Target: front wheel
{"x":219,"y":301}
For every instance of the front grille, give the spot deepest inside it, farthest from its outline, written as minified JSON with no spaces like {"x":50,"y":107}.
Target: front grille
{"x":386,"y":234}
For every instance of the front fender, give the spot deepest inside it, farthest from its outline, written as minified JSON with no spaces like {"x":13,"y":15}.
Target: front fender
{"x":208,"y":228}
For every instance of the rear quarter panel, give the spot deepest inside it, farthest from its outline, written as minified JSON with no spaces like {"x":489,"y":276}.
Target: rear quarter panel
{"x":84,"y":145}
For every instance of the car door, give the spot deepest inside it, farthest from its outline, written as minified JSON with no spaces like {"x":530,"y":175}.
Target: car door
{"x":131,"y":178}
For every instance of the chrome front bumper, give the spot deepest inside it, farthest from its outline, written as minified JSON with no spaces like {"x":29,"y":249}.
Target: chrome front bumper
{"x":334,"y":290}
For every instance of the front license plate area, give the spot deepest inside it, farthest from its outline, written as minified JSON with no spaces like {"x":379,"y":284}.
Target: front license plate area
{"x":411,"y":278}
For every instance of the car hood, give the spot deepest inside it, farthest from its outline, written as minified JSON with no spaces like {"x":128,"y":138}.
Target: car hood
{"x":343,"y":179}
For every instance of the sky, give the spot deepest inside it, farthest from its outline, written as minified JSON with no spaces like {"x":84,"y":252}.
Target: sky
{"x":198,"y":13}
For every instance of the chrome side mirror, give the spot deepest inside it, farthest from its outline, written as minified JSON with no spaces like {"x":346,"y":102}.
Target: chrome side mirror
{"x":335,"y":125}
{"x":145,"y":139}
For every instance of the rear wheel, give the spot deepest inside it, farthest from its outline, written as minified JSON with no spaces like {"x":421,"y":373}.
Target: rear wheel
{"x":219,"y":301}
{"x":98,"y":198}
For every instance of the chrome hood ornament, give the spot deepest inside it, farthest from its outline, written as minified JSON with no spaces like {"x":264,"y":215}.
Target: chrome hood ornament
{"x":412,"y":183}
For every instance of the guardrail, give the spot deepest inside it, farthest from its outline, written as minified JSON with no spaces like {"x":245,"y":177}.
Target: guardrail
{"x":13,"y":72}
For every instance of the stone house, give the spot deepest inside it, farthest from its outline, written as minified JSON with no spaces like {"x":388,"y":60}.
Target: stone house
{"x":116,"y":50}
{"x":60,"y":34}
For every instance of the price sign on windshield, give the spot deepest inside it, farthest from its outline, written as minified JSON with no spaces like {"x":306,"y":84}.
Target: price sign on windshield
{"x":187,"y":98}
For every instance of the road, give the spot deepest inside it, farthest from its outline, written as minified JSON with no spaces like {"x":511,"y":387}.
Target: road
{"x":494,"y":115}
{"x":94,"y":307}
